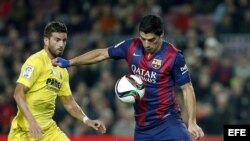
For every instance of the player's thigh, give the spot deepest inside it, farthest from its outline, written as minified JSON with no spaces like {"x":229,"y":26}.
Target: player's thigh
{"x":170,"y":134}
{"x":173,"y":129}
{"x":142,"y":136}
{"x":54,"y":133}
{"x":19,"y":135}
{"x":170,"y":129}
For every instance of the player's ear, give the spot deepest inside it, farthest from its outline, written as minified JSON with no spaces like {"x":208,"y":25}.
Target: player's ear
{"x":46,"y":41}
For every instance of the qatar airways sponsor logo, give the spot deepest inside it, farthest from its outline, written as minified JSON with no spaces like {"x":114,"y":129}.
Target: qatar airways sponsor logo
{"x":145,"y":75}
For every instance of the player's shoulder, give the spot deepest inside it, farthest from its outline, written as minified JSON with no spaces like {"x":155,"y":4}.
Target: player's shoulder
{"x":36,"y":57}
{"x":132,"y":40}
{"x":171,"y":47}
{"x":126,"y":43}
{"x":136,"y":40}
{"x":63,"y":72}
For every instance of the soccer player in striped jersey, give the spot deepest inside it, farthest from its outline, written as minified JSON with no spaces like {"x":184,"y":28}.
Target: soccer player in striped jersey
{"x":161,"y":66}
{"x":36,"y":91}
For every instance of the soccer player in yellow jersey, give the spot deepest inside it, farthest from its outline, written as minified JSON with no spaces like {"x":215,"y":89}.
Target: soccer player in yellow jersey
{"x":36,"y":91}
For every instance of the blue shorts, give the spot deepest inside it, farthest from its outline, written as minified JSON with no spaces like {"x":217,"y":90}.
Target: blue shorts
{"x":172,"y":128}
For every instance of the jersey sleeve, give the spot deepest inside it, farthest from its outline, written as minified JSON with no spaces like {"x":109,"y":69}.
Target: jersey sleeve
{"x":30,"y":71}
{"x":119,"y":51}
{"x":65,"y":87}
{"x":180,"y":70}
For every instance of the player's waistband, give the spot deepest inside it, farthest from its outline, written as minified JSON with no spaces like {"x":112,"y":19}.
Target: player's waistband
{"x":25,"y":129}
{"x":156,"y":122}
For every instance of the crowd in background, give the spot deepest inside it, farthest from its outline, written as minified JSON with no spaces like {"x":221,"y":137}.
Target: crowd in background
{"x":213,"y":35}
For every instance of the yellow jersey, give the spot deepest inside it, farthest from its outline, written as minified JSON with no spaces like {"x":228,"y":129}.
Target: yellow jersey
{"x":45,"y":82}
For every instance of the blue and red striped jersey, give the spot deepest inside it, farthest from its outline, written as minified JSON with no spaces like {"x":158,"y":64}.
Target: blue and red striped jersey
{"x":160,"y":73}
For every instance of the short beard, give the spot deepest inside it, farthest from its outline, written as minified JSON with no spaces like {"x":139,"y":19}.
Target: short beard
{"x":53,"y":54}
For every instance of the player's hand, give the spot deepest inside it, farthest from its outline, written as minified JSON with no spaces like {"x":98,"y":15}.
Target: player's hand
{"x":196,"y":131}
{"x":97,"y":125}
{"x":63,"y":63}
{"x":35,"y":130}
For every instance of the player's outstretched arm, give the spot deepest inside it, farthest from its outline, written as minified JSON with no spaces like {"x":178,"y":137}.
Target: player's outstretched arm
{"x":74,"y":109}
{"x":190,"y":103}
{"x":90,"y":57}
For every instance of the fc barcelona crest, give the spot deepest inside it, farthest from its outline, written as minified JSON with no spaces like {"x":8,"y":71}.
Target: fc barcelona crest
{"x":156,"y":63}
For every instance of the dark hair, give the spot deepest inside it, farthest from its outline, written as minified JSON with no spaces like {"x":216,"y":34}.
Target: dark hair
{"x":54,"y":26}
{"x":151,"y":24}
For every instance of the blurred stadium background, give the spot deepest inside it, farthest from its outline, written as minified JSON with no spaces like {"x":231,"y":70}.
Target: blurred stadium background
{"x":214,"y":36}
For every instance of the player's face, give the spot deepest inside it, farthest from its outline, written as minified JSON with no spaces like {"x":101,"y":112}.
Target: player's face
{"x":150,"y":41}
{"x":56,"y":43}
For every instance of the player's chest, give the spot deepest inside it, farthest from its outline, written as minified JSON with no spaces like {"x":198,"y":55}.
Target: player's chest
{"x":52,"y":77}
{"x":156,"y":63}
{"x":153,"y":70}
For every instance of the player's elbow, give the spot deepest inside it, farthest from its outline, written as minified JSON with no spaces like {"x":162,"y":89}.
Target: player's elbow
{"x":15,"y":96}
{"x":19,"y":92}
{"x":18,"y":96}
{"x":187,"y":86}
{"x":69,"y":108}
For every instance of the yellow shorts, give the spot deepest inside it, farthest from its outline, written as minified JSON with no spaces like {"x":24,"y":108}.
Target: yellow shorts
{"x":54,"y":133}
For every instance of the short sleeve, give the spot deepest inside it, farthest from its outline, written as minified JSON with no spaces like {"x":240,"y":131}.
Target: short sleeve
{"x":30,"y":71}
{"x":119,"y":51}
{"x":180,"y":70}
{"x":65,"y":87}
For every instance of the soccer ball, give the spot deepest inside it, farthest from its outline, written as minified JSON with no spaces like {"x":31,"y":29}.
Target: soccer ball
{"x":129,"y":89}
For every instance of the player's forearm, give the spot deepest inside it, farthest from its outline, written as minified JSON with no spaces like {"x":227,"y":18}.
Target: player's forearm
{"x":190,"y":103}
{"x":72,"y":107}
{"x":76,"y":112}
{"x":91,"y":57}
{"x":191,"y":108}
